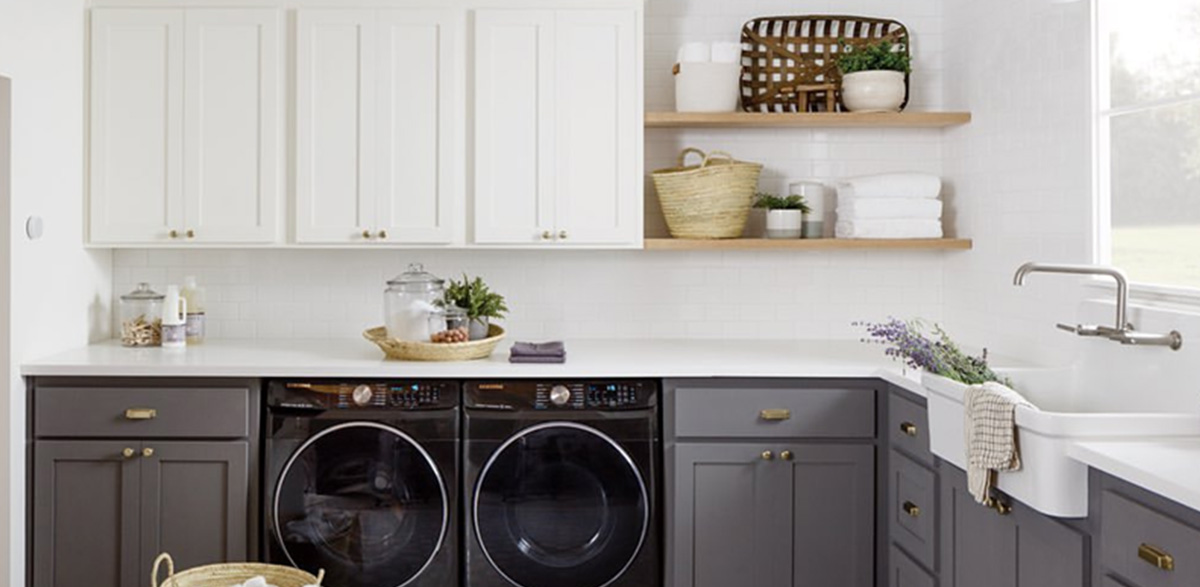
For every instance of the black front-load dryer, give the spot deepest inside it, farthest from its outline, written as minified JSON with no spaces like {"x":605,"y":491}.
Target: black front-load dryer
{"x":561,"y":484}
{"x":362,"y":481}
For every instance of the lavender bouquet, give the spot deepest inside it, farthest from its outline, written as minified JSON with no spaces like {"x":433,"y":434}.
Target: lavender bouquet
{"x":936,"y":353}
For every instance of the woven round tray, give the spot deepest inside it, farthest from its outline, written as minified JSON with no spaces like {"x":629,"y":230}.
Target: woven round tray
{"x":405,"y":350}
{"x":225,"y":575}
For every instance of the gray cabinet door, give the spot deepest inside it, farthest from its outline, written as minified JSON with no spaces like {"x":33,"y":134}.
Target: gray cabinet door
{"x":195,"y":499}
{"x":85,"y":515}
{"x":730,"y":520}
{"x":833,"y":515}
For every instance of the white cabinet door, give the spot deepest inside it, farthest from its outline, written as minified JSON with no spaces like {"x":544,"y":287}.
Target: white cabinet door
{"x":335,"y":125}
{"x":599,"y":128}
{"x":420,"y":109}
{"x":136,"y":173}
{"x":514,"y":126}
{"x":232,"y":151}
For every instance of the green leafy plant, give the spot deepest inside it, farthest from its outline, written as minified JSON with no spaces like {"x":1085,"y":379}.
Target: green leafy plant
{"x":881,"y":56}
{"x":774,"y":202}
{"x":474,"y":296}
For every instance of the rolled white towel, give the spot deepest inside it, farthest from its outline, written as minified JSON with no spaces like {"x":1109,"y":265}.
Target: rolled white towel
{"x":891,"y":185}
{"x":889,"y":209}
{"x":889,"y":229}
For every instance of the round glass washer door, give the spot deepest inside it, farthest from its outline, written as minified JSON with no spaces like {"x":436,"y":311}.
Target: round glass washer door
{"x":561,"y":504}
{"x":363,"y":501}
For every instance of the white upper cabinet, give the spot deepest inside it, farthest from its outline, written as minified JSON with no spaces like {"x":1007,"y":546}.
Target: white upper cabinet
{"x":378,"y":111}
{"x":186,"y":126}
{"x":558,"y":127}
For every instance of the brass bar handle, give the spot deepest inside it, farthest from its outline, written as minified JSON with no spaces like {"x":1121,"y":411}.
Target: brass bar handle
{"x":141,"y":414}
{"x":1156,"y":556}
{"x":767,"y":455}
{"x":127,"y":453}
{"x":787,"y":455}
{"x":775,"y":415}
{"x":911,"y":509}
{"x":147,"y":452}
{"x":909,"y":429}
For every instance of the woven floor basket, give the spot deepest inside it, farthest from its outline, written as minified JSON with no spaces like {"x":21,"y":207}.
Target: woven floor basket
{"x":405,"y":350}
{"x":230,"y":574}
{"x":789,"y":63}
{"x":710,"y":200}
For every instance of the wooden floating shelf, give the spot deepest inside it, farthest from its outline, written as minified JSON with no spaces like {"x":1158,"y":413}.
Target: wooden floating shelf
{"x":806,"y":119}
{"x":823,"y":244}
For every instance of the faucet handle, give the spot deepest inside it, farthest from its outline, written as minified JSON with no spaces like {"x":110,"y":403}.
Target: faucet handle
{"x":1068,"y":328}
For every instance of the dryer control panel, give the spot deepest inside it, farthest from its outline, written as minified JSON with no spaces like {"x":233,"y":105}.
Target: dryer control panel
{"x":563,"y":395}
{"x":363,"y":395}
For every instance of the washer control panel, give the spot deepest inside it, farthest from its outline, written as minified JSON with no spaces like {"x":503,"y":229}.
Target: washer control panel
{"x":363,"y":395}
{"x":562,"y":395}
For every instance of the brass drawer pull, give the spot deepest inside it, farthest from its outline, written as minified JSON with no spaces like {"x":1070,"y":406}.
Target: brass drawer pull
{"x":127,"y":453}
{"x":767,"y":455}
{"x":141,"y":414}
{"x":787,"y":455}
{"x":1157,"y":557}
{"x":908,"y":428}
{"x":147,"y":452}
{"x":911,"y":509}
{"x":775,"y":415}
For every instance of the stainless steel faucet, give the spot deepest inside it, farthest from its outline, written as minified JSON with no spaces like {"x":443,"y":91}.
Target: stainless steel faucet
{"x":1122,"y":331}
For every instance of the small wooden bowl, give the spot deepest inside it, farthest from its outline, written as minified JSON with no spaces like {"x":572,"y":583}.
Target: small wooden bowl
{"x":405,"y":350}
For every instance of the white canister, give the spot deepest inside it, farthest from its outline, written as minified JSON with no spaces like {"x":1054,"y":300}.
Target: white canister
{"x":708,"y":87}
{"x":874,"y":91}
{"x":819,"y":223}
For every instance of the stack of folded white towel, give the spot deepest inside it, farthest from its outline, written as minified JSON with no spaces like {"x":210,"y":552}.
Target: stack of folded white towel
{"x":892,"y":205}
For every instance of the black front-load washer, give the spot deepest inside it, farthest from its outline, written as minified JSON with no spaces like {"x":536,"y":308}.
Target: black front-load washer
{"x":561,"y":484}
{"x":362,"y":481}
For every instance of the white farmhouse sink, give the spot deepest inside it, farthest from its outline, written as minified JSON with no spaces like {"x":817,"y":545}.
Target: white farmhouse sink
{"x":1098,"y":400}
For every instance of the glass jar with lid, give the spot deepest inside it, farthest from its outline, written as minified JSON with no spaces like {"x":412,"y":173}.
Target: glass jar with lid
{"x":448,"y":324}
{"x":141,"y":317}
{"x":409,"y":300}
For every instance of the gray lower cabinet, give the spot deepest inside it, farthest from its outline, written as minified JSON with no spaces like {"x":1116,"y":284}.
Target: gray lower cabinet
{"x":1012,"y":547}
{"x":1144,"y":540}
{"x":103,"y":510}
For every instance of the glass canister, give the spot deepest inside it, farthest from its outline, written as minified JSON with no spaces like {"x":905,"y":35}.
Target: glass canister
{"x":141,"y":317}
{"x":409,"y":300}
{"x":448,"y":324}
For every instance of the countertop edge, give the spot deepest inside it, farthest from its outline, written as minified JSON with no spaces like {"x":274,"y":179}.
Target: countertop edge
{"x":1099,"y":455}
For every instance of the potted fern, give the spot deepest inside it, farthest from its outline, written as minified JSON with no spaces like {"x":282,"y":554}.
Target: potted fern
{"x":481,"y":304}
{"x":785,"y":215}
{"x":873,"y":75}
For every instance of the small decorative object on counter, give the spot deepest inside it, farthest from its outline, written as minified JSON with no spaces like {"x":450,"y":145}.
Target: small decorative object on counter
{"x":232,"y":574}
{"x":141,"y":317}
{"x":785,"y":216}
{"x":791,"y":62}
{"x":538,"y":352}
{"x":707,"y":201}
{"x":406,"y":350}
{"x":874,"y":76}
{"x":818,"y":223}
{"x":449,"y":324}
{"x":409,"y":300}
{"x":480,"y":303}
{"x":937,"y":354}
{"x":174,"y":319}
{"x":196,"y":318}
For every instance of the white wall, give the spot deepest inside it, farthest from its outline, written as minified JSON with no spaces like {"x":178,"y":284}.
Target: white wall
{"x":270,"y":294}
{"x":59,"y":291}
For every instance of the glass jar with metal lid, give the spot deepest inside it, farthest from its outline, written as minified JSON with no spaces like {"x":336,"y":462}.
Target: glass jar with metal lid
{"x":141,"y":317}
{"x":408,"y":301}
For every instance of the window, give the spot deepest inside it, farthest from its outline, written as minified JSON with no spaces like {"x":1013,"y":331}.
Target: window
{"x":1149,"y":139}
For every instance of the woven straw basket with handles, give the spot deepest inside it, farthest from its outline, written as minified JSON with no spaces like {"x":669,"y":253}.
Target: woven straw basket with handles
{"x":229,"y":574}
{"x":709,"y":200}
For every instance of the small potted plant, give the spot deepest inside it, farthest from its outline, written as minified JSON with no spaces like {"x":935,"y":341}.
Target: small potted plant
{"x":873,"y":76}
{"x":785,"y":215}
{"x":481,"y":304}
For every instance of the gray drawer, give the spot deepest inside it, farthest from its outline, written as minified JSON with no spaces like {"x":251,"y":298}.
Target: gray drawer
{"x":1130,"y":529}
{"x":774,"y":413}
{"x":908,"y":428}
{"x":197,"y":412}
{"x":903,"y":572}
{"x":912,"y":491}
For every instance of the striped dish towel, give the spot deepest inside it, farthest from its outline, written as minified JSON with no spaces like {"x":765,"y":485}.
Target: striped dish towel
{"x":991,"y":434}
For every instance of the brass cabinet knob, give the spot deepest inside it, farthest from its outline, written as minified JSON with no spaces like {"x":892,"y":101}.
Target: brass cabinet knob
{"x":767,"y":455}
{"x":786,"y":455}
{"x":1157,"y":557}
{"x":562,"y":234}
{"x":366,"y":234}
{"x":191,"y":233}
{"x":908,"y":428}
{"x":911,"y":509}
{"x":547,"y":235}
{"x":173,"y":234}
{"x":383,"y":234}
{"x":127,"y":453}
{"x":147,"y":452}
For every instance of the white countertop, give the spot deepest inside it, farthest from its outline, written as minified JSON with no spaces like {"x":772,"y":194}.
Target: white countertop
{"x":585,"y":358}
{"x":1165,"y":467}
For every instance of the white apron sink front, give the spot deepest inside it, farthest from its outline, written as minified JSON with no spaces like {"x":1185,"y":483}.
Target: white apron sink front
{"x":1075,"y":404}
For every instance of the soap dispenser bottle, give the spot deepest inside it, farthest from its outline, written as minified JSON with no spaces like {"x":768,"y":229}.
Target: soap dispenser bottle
{"x":174,"y":319}
{"x":193,"y":296}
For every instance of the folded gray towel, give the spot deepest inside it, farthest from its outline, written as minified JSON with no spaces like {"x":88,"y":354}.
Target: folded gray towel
{"x":537,"y":360}
{"x":539,"y":349}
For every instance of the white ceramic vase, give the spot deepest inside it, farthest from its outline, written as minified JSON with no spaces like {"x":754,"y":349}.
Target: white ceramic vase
{"x":873,"y":91}
{"x":785,"y":223}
